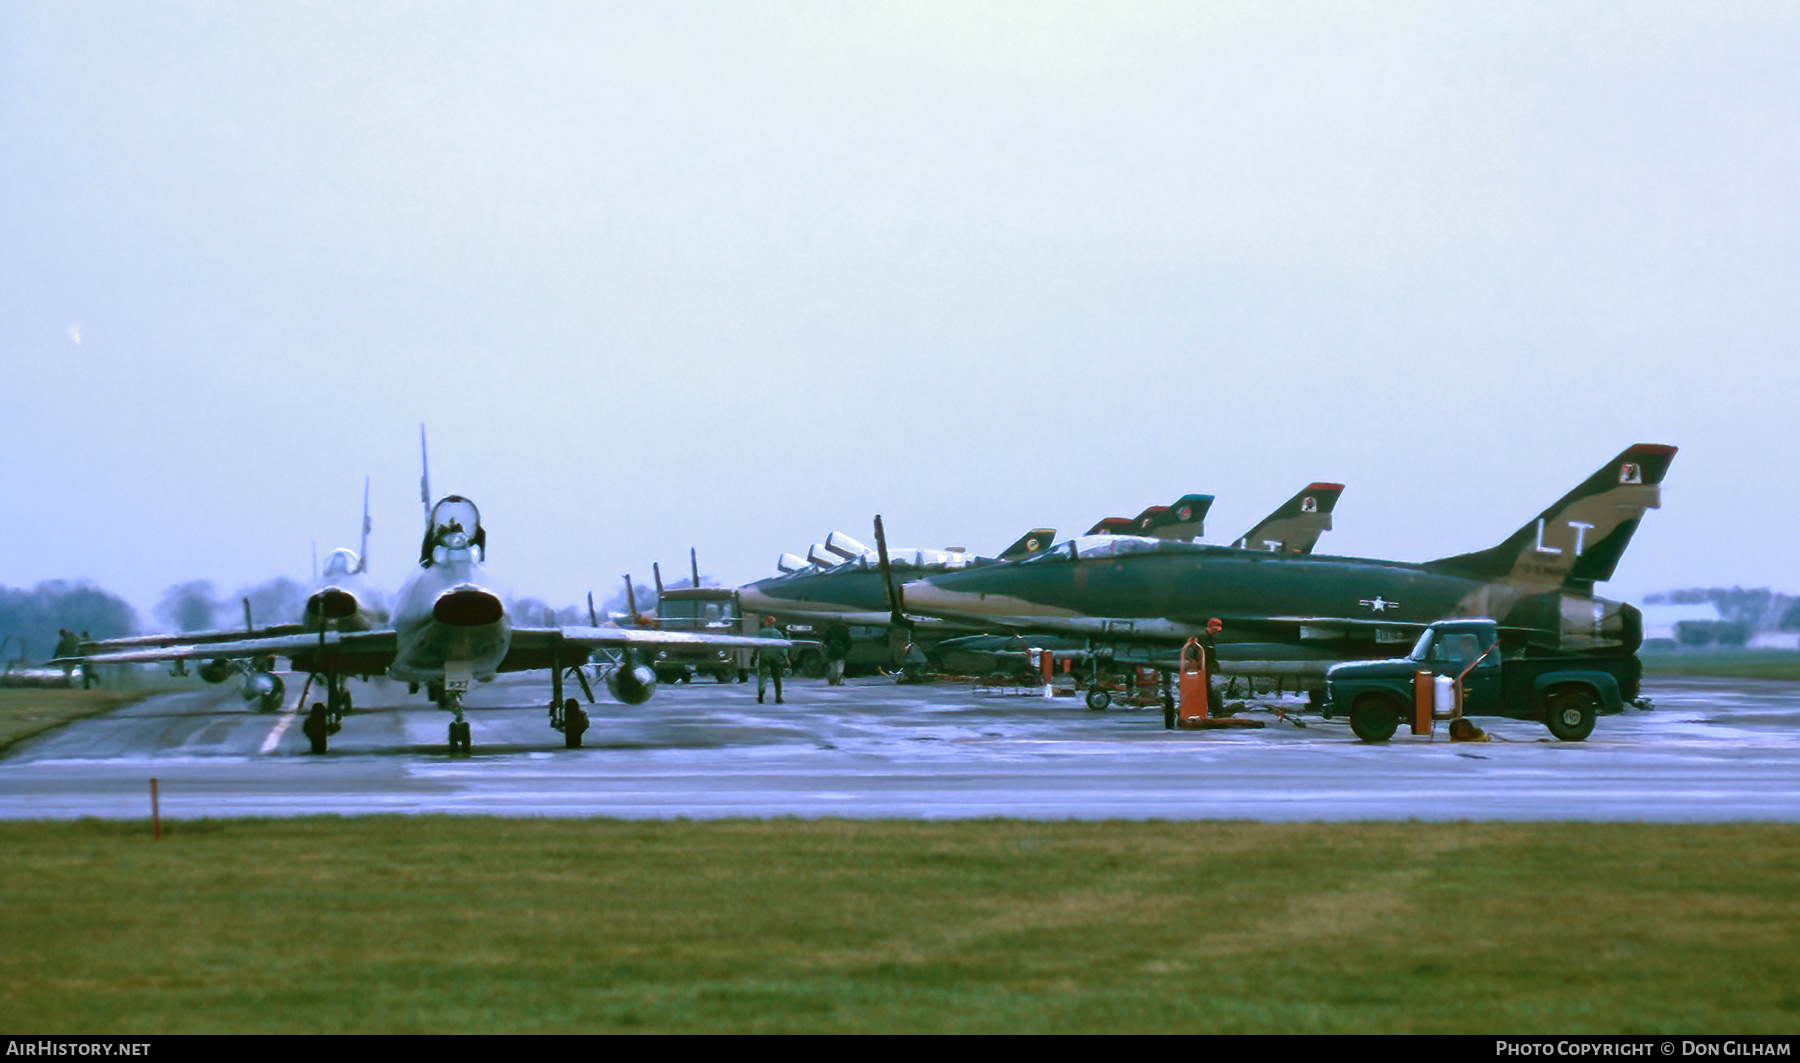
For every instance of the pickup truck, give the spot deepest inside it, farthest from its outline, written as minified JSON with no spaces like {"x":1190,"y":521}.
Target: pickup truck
{"x":1488,"y":678}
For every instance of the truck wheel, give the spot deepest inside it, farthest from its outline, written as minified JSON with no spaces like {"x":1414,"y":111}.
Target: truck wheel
{"x":1374,"y":718}
{"x":1570,"y":715}
{"x":1098,"y":698}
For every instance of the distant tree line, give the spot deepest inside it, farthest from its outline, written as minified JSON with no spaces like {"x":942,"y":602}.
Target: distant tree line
{"x":197,"y":605}
{"x":1742,"y":613}
{"x":1749,"y":609}
{"x":30,"y":620}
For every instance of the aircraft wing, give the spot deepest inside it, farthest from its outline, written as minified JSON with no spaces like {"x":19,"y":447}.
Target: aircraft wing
{"x":622,"y":637}
{"x":92,"y":648}
{"x":360,"y":642}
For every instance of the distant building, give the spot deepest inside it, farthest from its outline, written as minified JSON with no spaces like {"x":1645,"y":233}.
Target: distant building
{"x":1660,"y":619}
{"x":1661,"y":634}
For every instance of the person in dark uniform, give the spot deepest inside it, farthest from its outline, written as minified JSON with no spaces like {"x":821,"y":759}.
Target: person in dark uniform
{"x":913,"y":664}
{"x":67,"y":645}
{"x":1215,"y":701}
{"x":836,"y":643}
{"x":769,"y":660}
{"x":88,"y":678}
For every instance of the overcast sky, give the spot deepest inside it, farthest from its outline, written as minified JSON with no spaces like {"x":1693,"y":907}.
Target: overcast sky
{"x":734,"y":275}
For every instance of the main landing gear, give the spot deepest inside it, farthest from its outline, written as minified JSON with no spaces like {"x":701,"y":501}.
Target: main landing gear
{"x":566,"y":714}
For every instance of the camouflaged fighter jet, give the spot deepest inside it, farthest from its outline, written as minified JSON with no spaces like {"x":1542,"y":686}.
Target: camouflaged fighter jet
{"x":1291,"y":615}
{"x":1293,"y":528}
{"x":841,"y":583}
{"x":844,"y":583}
{"x":451,"y":627}
{"x":341,"y":599}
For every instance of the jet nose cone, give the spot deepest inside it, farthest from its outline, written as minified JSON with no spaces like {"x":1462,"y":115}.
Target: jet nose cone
{"x":332,"y":603}
{"x":753,"y":600}
{"x":467,"y":606}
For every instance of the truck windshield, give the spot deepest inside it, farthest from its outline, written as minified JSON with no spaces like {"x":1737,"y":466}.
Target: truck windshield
{"x":1447,"y":647}
{"x":1458,"y":649}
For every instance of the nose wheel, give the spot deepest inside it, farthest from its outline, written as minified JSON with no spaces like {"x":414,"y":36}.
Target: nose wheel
{"x":450,"y":700}
{"x":317,"y":726}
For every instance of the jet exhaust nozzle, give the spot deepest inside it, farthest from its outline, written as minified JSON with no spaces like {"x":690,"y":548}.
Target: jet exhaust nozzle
{"x":467,"y":607}
{"x":632,"y":683}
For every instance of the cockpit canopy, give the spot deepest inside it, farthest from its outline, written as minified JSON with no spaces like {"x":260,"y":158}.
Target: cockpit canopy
{"x":1102,"y":545}
{"x":908,"y":559}
{"x":453,"y":530}
{"x":342,"y":562}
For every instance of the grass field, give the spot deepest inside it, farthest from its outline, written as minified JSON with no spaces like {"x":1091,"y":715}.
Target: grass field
{"x":27,"y":711}
{"x":1727,"y":664}
{"x":447,"y":924}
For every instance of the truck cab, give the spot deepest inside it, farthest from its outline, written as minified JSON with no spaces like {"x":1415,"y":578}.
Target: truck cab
{"x":1488,"y":678}
{"x":707,"y":611}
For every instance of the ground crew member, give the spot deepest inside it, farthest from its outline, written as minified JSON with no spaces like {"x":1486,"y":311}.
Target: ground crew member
{"x":769,"y":660}
{"x":912,"y":664}
{"x":837,"y":647}
{"x":1215,"y":701}
{"x":88,"y":678}
{"x":67,"y":645}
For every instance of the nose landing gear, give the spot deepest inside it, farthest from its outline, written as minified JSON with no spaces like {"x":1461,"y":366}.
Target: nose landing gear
{"x":326,"y":718}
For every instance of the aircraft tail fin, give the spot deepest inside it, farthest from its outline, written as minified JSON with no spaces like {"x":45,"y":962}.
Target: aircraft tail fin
{"x":1578,"y":541}
{"x":1185,"y":518}
{"x":1033,"y":542}
{"x":1295,"y":526}
{"x":362,"y":552}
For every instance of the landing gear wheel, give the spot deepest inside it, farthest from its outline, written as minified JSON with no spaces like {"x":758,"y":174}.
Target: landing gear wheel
{"x":575,"y":723}
{"x":459,"y":737}
{"x":1570,"y":716}
{"x":315,"y":727}
{"x":1374,"y":719}
{"x":725,"y":675}
{"x":1098,"y":699}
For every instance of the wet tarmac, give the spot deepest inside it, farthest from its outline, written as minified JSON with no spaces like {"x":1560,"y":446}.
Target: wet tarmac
{"x":1711,"y":750}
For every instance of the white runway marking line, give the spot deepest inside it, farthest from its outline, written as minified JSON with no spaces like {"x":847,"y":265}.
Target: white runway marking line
{"x":287,"y":721}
